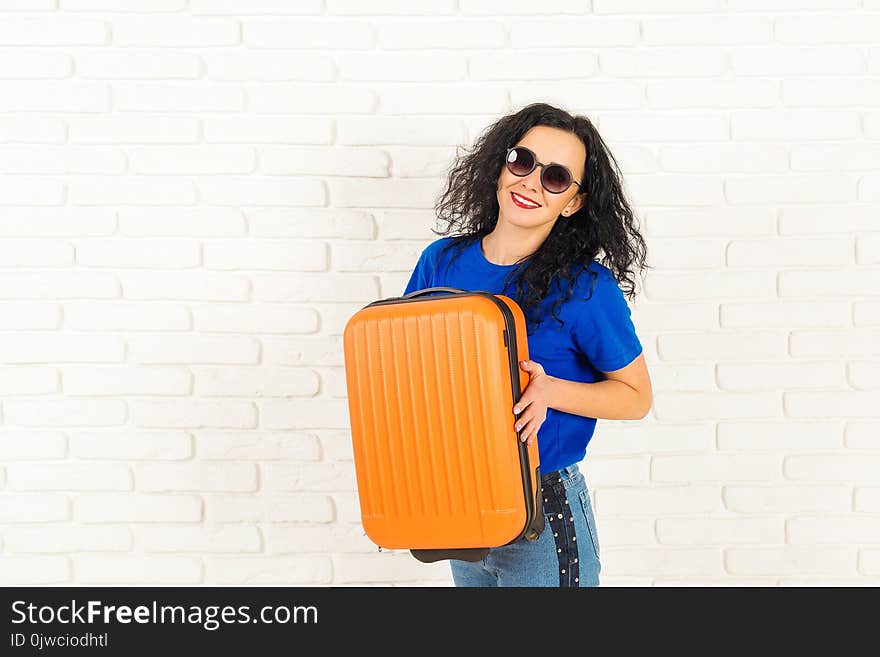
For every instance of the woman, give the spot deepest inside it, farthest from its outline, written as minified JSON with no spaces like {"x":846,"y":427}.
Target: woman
{"x":537,"y":201}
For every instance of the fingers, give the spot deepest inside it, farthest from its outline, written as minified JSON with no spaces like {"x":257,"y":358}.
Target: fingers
{"x":521,"y":406}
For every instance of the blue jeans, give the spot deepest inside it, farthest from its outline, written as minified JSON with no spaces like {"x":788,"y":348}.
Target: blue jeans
{"x":565,"y":554}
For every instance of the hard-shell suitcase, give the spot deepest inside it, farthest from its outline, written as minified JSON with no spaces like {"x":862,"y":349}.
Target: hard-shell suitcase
{"x":432,"y":378}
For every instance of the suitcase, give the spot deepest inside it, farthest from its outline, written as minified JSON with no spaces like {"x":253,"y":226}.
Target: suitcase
{"x":432,"y":378}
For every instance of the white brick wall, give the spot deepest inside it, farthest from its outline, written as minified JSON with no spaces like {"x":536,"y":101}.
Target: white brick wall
{"x":197,"y":194}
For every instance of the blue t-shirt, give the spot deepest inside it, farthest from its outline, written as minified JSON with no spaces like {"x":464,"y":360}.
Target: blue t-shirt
{"x":597,"y":334}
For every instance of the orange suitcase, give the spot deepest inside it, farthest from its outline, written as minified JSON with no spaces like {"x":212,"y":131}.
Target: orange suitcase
{"x":432,"y":380}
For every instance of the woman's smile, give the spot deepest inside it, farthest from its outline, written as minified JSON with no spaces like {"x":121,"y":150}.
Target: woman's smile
{"x":523,"y":202}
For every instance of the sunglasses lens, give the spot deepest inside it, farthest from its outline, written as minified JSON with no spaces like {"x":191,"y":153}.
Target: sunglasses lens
{"x":520,"y":162}
{"x":556,"y":178}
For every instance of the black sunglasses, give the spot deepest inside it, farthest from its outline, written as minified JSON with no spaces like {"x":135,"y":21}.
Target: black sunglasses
{"x":555,"y":178}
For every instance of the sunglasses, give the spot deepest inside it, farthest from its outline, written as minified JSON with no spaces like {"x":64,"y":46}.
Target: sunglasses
{"x":555,"y":178}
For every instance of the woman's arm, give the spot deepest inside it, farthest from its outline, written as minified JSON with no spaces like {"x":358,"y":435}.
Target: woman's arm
{"x":626,"y":394}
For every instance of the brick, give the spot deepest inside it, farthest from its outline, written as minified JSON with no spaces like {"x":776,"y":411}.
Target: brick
{"x":394,"y":131}
{"x":124,"y":6}
{"x":258,"y":446}
{"x":621,"y":532}
{"x":626,"y":127}
{"x":822,"y":283}
{"x":43,"y":65}
{"x":706,"y":30}
{"x":313,"y":287}
{"x":52,"y":31}
{"x":637,"y":437}
{"x":33,"y":507}
{"x":202,"y":540}
{"x":185,"y":286}
{"x":65,"y":412}
{"x":721,"y":285}
{"x":51,"y":96}
{"x":604,"y":471}
{"x":177,"y":97}
{"x":182,"y":222}
{"x":264,"y":570}
{"x":476,"y":99}
{"x":835,"y":530}
{"x":25,"y":191}
{"x":279,"y":319}
{"x":572,"y":32}
{"x":791,"y":498}
{"x":646,"y":6}
{"x":790,"y":252}
{"x":490,"y":7}
{"x":27,"y":254}
{"x":723,"y":158}
{"x":371,"y":256}
{"x":194,"y":414}
{"x":690,"y":94}
{"x":124,"y":316}
{"x":661,"y":561}
{"x":651,"y":500}
{"x":682,"y":377}
{"x":794,"y":124}
{"x":68,"y":539}
{"x":347,"y":507}
{"x":336,"y":445}
{"x":316,"y":413}
{"x":720,"y":531}
{"x":256,"y":382}
{"x":451,"y":35}
{"x":250,"y":7}
{"x":854,"y":343}
{"x":26,"y":445}
{"x":27,"y":380}
{"x":764,"y":5}
{"x":68,"y":476}
{"x":786,"y":375}
{"x":868,"y":249}
{"x":136,"y":507}
{"x":715,"y":467}
{"x":533,"y":64}
{"x":192,"y":159}
{"x":674,"y":190}
{"x":302,"y":34}
{"x":832,"y":404}
{"x":310,"y":160}
{"x":864,"y":375}
{"x":334,"y":318}
{"x":383,"y":567}
{"x":795,"y":61}
{"x":862,"y":435}
{"x":265,"y":254}
{"x":131,"y":445}
{"x":830,"y":92}
{"x":670,"y":316}
{"x":722,"y":346}
{"x":308,"y":476}
{"x":55,"y":286}
{"x":99,"y":190}
{"x":30,"y":130}
{"x":63,"y":160}
{"x":321,"y":539}
{"x":688,"y":406}
{"x":868,"y":186}
{"x":133,"y":129}
{"x":255,"y":66}
{"x":725,"y":582}
{"x":828,"y":29}
{"x":786,"y":434}
{"x":866,"y":313}
{"x":136,"y":569}
{"x":786,"y":314}
{"x":311,"y":222}
{"x":228,"y":349}
{"x":141,"y":254}
{"x":319,"y":99}
{"x":678,"y":253}
{"x":723,"y":222}
{"x":227,"y":190}
{"x":275,"y":507}
{"x":789,"y":561}
{"x":214,"y":477}
{"x":869,"y":561}
{"x":131,"y":64}
{"x":866,"y":498}
{"x":832,"y":467}
{"x":182,"y":31}
{"x":268,"y":130}
{"x":662,"y":62}
{"x":792,"y":188}
{"x":34,"y":570}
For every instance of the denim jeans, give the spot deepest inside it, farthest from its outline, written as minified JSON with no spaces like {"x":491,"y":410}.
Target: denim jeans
{"x":565,"y":554}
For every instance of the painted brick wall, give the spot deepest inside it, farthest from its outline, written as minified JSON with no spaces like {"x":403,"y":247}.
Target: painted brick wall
{"x":196,"y":195}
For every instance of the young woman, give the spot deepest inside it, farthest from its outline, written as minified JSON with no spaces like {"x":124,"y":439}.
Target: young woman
{"x":537,"y":201}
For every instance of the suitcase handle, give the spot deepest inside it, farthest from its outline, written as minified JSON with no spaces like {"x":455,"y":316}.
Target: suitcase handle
{"x":428,"y":290}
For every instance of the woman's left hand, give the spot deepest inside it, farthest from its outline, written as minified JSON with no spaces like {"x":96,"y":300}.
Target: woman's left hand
{"x":534,"y":401}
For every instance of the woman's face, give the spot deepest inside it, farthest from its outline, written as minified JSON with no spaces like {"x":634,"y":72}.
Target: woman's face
{"x":552,"y":146}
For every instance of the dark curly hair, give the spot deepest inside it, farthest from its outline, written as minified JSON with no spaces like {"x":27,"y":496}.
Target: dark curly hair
{"x":604,"y":226}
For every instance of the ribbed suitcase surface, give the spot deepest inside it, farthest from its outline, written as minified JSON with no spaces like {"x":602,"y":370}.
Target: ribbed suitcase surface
{"x":431,"y":383}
